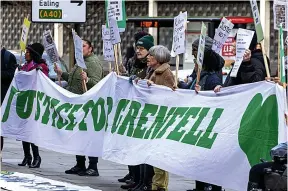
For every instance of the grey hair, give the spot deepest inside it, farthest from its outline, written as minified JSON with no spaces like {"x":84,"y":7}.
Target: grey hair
{"x":160,"y":53}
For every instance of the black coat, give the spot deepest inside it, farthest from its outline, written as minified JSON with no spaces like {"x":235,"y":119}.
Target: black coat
{"x":250,"y":71}
{"x":8,"y":67}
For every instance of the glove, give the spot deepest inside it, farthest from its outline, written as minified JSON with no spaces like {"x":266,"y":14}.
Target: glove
{"x":39,"y":68}
{"x":131,"y":78}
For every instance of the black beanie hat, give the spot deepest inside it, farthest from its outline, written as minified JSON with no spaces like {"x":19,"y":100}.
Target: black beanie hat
{"x":36,"y":49}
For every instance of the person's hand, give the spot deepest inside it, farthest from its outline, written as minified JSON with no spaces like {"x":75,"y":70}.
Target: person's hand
{"x":39,"y":68}
{"x":149,"y":82}
{"x":197,"y":88}
{"x":247,"y":55}
{"x":174,"y":87}
{"x":217,"y":88}
{"x":131,"y":78}
{"x":58,"y":70}
{"x":84,"y":76}
{"x":276,"y":80}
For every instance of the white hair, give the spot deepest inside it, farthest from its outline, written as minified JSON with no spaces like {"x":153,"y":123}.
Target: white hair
{"x":160,"y":53}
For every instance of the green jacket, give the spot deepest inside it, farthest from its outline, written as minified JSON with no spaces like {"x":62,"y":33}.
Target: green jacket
{"x":94,"y":72}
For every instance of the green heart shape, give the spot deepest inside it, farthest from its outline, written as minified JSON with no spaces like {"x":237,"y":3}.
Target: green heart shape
{"x":258,"y":131}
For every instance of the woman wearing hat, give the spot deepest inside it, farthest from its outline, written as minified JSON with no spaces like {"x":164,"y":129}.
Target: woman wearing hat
{"x":33,"y":57}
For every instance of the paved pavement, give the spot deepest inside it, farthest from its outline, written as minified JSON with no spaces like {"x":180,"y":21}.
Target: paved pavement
{"x":54,"y":164}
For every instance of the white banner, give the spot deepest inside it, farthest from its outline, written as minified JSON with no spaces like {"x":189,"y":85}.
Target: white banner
{"x":243,"y":42}
{"x":50,"y":47}
{"x":78,"y":48}
{"x":209,"y":137}
{"x":179,"y":36}
{"x":221,"y":35}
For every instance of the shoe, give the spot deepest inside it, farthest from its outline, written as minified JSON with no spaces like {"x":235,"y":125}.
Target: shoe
{"x":144,"y":187}
{"x":129,"y":181}
{"x":26,"y":160}
{"x":36,"y":162}
{"x":128,"y":186}
{"x":127,"y":177}
{"x":89,"y":172}
{"x":75,"y":170}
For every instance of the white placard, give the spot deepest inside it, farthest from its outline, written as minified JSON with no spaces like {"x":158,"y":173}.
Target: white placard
{"x":59,"y":11}
{"x":50,"y":47}
{"x":116,"y":5}
{"x":280,"y":13}
{"x":221,"y":35}
{"x":114,"y":31}
{"x":179,"y":36}
{"x":243,"y":41}
{"x":78,"y":46}
{"x":201,"y":46}
{"x":108,"y":51}
{"x":257,"y":21}
{"x":105,"y":33}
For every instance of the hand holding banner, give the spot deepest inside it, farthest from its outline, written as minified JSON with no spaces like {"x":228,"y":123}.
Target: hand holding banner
{"x":243,"y":41}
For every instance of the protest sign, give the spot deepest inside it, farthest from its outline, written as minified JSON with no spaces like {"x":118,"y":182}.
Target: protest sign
{"x":280,"y":13}
{"x":221,"y":35}
{"x":257,"y":21}
{"x":118,"y":10}
{"x":243,"y":41}
{"x":203,"y":136}
{"x":78,"y":46}
{"x":282,"y":56}
{"x":114,"y":31}
{"x":201,"y":46}
{"x":105,"y":33}
{"x":108,"y":51}
{"x":179,"y":36}
{"x":24,"y":34}
{"x":50,"y":47}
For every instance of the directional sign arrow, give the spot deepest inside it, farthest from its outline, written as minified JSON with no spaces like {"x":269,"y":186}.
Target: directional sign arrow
{"x":75,"y":1}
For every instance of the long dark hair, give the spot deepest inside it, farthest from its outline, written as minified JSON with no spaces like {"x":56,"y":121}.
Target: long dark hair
{"x":89,"y":44}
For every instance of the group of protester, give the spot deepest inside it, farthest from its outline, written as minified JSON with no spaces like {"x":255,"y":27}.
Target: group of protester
{"x":146,"y":61}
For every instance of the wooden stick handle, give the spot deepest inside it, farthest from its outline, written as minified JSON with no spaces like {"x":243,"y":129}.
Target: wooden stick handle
{"x":58,"y":76}
{"x":84,"y":84}
{"x":198,"y":75}
{"x":265,"y":60}
{"x":110,"y":67}
{"x":116,"y":58}
{"x":177,"y":69}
